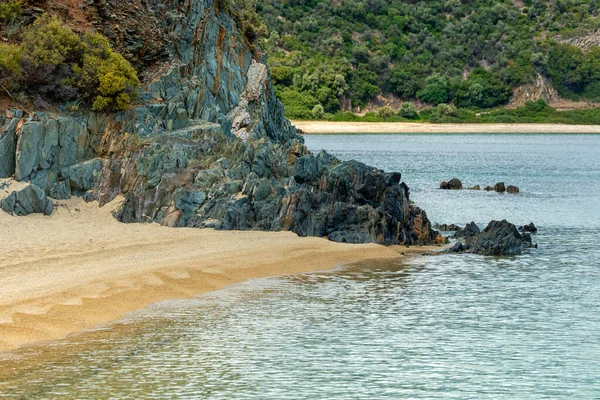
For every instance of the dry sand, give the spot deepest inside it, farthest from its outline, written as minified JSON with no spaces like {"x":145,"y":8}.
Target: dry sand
{"x":80,"y":267}
{"x":313,"y":127}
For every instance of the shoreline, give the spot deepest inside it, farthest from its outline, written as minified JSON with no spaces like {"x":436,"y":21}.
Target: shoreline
{"x":81,"y":268}
{"x":340,"y":128}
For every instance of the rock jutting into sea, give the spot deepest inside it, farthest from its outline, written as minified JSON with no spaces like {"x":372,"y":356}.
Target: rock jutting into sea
{"x":499,"y":238}
{"x":207,"y":146}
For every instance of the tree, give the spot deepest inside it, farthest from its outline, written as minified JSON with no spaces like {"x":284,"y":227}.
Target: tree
{"x":436,"y":90}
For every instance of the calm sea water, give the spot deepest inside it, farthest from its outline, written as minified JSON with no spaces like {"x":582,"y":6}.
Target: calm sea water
{"x":442,"y":327}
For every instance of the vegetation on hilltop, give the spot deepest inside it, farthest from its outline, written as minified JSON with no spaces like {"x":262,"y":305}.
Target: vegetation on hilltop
{"x":470,"y":53}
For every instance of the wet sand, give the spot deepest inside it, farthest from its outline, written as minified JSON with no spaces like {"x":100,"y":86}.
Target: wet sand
{"x":327,"y":127}
{"x":80,"y":268}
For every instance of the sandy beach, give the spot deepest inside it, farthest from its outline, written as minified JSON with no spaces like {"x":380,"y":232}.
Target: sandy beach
{"x":327,"y":127}
{"x":80,"y":267}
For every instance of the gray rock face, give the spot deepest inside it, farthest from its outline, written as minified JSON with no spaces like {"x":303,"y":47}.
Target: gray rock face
{"x":60,"y":191}
{"x":8,"y":145}
{"x":209,"y":146}
{"x":27,"y":149}
{"x":28,"y":200}
{"x":499,"y":238}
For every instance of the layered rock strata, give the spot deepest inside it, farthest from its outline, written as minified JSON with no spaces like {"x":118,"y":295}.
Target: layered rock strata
{"x":209,"y":146}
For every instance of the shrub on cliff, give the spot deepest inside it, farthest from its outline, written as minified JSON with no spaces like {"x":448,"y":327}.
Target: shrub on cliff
{"x":245,"y":15}
{"x":55,"y":64}
{"x":10,"y":10}
{"x":105,"y":74}
{"x":10,"y":64}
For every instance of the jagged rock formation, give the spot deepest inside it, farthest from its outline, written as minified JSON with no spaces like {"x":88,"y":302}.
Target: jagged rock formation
{"x":499,"y":238}
{"x":209,"y":146}
{"x":24,"y":199}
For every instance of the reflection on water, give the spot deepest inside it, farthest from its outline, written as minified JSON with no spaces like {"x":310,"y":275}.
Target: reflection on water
{"x":446,"y":326}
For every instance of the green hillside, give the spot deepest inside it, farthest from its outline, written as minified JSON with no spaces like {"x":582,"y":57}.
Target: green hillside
{"x":326,"y":54}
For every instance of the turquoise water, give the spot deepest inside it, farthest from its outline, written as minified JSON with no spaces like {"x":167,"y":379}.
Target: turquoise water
{"x":449,"y":326}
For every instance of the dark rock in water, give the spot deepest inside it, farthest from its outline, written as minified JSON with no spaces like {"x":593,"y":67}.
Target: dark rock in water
{"x":447,"y":228}
{"x":488,"y":189}
{"x":458,"y":247}
{"x":512,"y":189}
{"x":469,"y":231}
{"x":476,"y":187}
{"x":499,"y":187}
{"x":28,"y":200}
{"x":499,"y":238}
{"x":529,"y":228}
{"x":454,"y":184}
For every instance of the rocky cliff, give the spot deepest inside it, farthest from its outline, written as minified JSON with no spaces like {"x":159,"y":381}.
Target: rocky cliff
{"x":207,"y":146}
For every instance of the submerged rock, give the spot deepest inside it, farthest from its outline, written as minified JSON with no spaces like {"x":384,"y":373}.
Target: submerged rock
{"x":531,"y":228}
{"x":454,"y":184}
{"x":499,"y":187}
{"x":512,"y":189}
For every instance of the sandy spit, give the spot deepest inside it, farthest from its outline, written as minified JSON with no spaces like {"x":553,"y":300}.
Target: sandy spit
{"x":80,"y":267}
{"x":327,"y":127}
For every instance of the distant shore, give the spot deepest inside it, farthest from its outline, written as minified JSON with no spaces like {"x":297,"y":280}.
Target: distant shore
{"x":327,"y":127}
{"x":80,"y":267}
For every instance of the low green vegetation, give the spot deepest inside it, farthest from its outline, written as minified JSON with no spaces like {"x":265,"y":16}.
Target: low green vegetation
{"x":10,"y":11}
{"x":53,"y":64}
{"x":531,"y":112}
{"x":343,"y":54}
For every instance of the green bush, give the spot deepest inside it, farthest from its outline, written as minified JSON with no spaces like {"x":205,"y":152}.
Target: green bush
{"x":11,"y":10}
{"x":318,"y":111}
{"x":10,"y":61}
{"x":49,"y":43}
{"x":106,"y":72}
{"x":384,"y":112}
{"x":245,"y":15}
{"x":58,"y":64}
{"x":408,"y":111}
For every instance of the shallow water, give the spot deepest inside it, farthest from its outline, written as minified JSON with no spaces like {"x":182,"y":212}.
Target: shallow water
{"x":449,"y":326}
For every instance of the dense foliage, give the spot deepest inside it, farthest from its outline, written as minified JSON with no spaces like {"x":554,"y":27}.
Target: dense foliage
{"x":56,"y":65}
{"x":467,"y":52}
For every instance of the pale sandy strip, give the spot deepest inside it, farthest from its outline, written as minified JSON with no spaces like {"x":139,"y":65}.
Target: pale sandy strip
{"x":80,"y":267}
{"x":314,"y":127}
